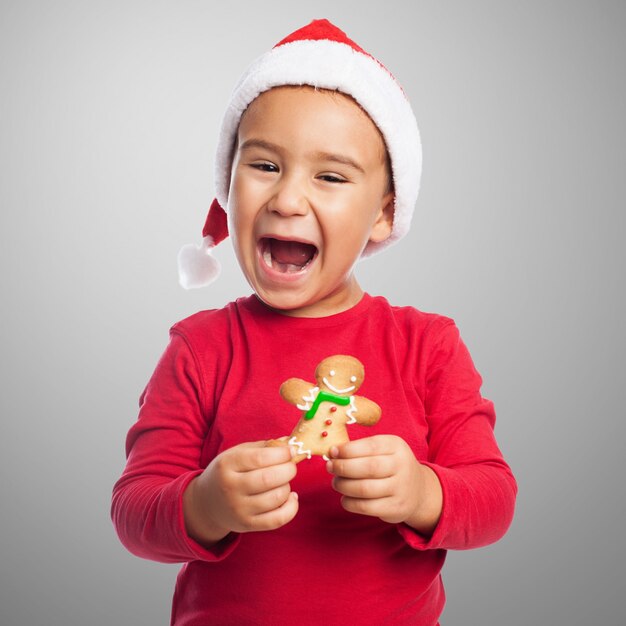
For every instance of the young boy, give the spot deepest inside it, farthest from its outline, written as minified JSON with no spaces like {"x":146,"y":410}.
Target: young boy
{"x":318,"y":164}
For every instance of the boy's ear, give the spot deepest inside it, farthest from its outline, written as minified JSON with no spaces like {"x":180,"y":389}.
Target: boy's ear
{"x":381,"y":230}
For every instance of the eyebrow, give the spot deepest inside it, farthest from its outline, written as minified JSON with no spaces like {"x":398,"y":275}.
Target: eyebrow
{"x":318,"y":156}
{"x":259,"y":143}
{"x":338,"y":158}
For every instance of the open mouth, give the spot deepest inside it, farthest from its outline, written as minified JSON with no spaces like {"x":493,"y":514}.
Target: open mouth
{"x":287,"y":257}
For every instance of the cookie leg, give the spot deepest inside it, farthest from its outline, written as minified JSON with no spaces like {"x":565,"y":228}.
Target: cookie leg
{"x":275,"y":443}
{"x":285,"y":441}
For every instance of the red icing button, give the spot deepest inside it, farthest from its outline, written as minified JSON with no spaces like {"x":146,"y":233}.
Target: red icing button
{"x":329,"y":422}
{"x":324,"y":434}
{"x":333,"y":409}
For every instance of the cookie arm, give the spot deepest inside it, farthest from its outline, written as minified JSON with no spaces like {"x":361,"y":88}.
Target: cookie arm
{"x":367,"y":412}
{"x":296,"y":391}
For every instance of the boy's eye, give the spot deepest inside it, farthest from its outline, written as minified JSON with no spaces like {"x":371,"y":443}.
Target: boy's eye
{"x":332,"y":178}
{"x":264,"y":167}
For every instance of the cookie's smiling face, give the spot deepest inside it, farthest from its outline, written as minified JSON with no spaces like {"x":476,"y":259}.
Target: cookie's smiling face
{"x":339,"y":374}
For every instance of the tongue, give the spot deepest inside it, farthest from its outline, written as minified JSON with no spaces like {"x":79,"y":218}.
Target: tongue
{"x":291,"y":252}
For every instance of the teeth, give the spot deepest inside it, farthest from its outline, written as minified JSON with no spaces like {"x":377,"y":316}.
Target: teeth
{"x":287,"y":268}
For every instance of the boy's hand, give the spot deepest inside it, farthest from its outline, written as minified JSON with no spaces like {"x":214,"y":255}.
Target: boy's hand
{"x":380,"y":476}
{"x":245,"y":488}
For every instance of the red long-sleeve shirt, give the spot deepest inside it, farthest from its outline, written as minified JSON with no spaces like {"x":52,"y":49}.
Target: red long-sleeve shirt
{"x":217,"y":385}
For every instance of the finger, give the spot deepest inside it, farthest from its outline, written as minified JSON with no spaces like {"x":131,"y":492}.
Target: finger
{"x":278,"y":517}
{"x":267,"y":501}
{"x":364,"y":489}
{"x":251,"y":456}
{"x":368,"y":446}
{"x":380,"y":466}
{"x":378,"y":507}
{"x":268,"y":478}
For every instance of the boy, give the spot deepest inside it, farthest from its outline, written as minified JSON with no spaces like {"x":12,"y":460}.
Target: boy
{"x":318,"y":164}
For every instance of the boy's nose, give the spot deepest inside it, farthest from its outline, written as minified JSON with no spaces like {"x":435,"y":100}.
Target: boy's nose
{"x":289,"y":198}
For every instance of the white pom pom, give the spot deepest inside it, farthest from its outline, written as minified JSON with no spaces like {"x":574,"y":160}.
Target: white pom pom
{"x":196,"y":266}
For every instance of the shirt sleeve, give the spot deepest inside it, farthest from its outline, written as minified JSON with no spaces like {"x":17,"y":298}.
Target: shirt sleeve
{"x":163,"y":451}
{"x":479,"y":489}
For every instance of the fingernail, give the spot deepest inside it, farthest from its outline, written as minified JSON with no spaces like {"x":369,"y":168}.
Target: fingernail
{"x":329,"y":467}
{"x":334,"y":452}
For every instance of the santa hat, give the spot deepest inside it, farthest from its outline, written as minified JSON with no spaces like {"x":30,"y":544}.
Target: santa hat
{"x":319,"y":55}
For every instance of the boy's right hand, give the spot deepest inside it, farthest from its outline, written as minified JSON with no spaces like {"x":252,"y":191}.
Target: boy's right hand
{"x":245,"y":488}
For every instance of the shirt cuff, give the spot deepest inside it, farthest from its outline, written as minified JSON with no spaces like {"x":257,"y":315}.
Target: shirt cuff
{"x":194,"y":550}
{"x":439,"y":537}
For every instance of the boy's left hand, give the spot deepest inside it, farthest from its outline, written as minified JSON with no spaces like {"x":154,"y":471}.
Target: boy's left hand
{"x":380,"y":476}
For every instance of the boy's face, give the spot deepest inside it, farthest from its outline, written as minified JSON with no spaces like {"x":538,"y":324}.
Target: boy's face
{"x":309,"y":189}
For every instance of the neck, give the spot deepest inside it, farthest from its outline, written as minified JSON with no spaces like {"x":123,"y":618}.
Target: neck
{"x":342,"y":299}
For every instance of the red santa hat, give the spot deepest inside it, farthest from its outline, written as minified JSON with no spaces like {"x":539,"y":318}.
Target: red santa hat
{"x":320,"y":55}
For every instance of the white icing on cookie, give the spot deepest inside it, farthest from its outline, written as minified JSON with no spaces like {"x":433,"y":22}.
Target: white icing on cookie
{"x":351,"y":411}
{"x":308,"y":399}
{"x":294,"y":442}
{"x":346,"y":390}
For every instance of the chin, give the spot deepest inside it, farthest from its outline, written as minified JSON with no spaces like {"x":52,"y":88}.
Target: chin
{"x":287,"y":302}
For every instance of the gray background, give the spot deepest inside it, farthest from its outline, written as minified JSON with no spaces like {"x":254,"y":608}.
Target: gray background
{"x":109,"y":114}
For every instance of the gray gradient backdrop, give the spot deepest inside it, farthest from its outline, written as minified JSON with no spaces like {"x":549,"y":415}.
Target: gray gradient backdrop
{"x":109,"y":114}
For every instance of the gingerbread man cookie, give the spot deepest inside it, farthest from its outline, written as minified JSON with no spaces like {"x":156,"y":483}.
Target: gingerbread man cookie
{"x":329,"y":406}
